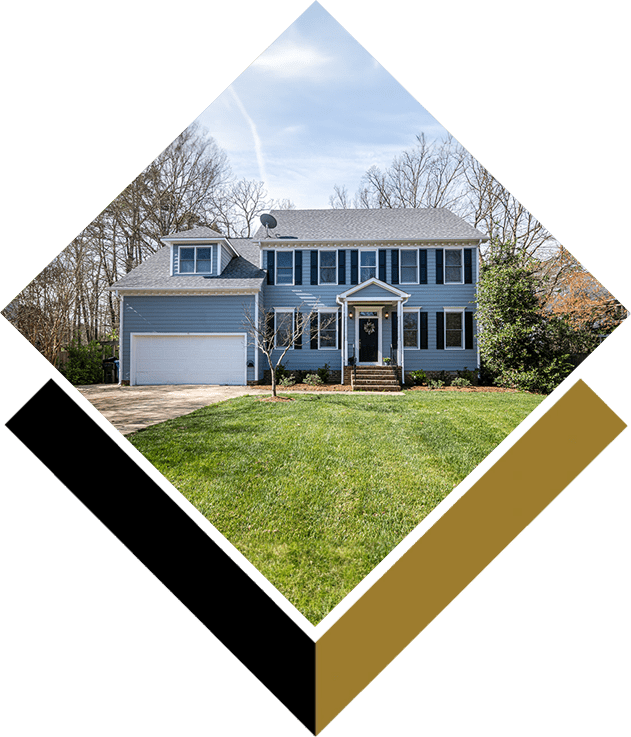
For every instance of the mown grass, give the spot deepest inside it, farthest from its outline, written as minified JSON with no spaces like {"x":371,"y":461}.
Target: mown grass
{"x":317,"y":491}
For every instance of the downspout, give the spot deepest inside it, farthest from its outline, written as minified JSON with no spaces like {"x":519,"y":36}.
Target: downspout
{"x":343,"y":338}
{"x":256,"y":347}
{"x":120,"y":338}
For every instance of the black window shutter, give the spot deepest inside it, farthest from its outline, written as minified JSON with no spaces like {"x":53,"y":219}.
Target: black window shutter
{"x":422,"y":266}
{"x":423,"y":330}
{"x":354,"y":267}
{"x":339,"y":329}
{"x":341,"y":267}
{"x":468,"y":330}
{"x":440,"y":331}
{"x":468,"y":267}
{"x":270,"y":267}
{"x":382,"y":264}
{"x":395,"y":330}
{"x":394,"y":257}
{"x":297,"y":267}
{"x":314,"y":267}
{"x":298,"y":318}
{"x":439,"y":266}
{"x":314,"y":331}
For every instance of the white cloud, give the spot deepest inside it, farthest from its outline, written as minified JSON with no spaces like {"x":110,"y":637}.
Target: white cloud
{"x":292,"y":60}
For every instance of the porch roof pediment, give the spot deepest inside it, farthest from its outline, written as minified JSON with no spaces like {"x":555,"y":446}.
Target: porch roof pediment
{"x":373,"y":289}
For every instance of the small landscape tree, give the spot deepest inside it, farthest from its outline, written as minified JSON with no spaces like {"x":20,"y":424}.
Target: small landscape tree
{"x":274,"y":332}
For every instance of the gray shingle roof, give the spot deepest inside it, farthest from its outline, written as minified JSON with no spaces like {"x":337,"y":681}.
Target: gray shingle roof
{"x":154,"y":273}
{"x":370,"y":224}
{"x":194,"y":233}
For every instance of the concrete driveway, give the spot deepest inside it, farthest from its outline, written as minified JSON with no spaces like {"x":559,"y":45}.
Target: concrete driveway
{"x":130,"y":408}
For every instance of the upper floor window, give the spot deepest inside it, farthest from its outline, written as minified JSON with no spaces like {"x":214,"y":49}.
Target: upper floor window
{"x":453,"y":266}
{"x":195,"y":260}
{"x":328,"y":267}
{"x":284,"y":267}
{"x":409,"y":266}
{"x":367,"y":265}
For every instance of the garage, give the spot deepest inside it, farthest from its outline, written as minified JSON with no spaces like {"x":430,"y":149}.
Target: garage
{"x":193,"y":358}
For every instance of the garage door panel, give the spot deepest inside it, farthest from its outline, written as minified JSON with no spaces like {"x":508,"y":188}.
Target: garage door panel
{"x":189,"y":359}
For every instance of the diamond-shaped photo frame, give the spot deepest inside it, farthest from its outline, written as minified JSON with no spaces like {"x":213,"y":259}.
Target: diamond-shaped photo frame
{"x":24,"y":397}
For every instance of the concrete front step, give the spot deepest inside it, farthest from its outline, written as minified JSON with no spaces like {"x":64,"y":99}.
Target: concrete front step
{"x":377,"y":388}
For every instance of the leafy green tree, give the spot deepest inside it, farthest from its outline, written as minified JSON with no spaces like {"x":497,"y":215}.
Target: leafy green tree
{"x":520,"y":345}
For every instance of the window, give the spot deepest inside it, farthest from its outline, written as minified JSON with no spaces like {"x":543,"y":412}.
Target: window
{"x":283,"y":327}
{"x":328,"y":267}
{"x":368,"y":265}
{"x":195,"y":260}
{"x":327,"y":330}
{"x":453,"y":266}
{"x":410,"y":329}
{"x":409,"y":266}
{"x":284,"y":267}
{"x":453,"y":329}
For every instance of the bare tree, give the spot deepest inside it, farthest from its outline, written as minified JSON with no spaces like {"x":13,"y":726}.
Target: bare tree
{"x":275,"y":332}
{"x":428,"y":175}
{"x":488,"y":205}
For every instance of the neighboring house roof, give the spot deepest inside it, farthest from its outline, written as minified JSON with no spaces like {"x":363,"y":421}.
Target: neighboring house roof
{"x":155,"y":273}
{"x":435,"y":224}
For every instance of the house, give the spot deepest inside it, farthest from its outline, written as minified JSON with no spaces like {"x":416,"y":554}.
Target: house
{"x":385,"y":284}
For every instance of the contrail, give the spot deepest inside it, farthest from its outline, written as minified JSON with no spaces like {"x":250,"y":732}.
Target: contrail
{"x":257,"y":141}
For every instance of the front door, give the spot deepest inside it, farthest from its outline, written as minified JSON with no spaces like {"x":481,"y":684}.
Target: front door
{"x":369,"y":338}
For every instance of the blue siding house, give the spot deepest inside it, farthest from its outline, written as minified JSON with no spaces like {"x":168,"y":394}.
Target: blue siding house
{"x":381,"y":286}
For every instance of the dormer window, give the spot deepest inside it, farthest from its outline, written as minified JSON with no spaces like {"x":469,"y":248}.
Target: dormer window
{"x":195,"y":260}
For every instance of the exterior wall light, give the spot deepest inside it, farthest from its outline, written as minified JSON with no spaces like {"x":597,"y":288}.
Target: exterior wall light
{"x":350,"y":314}
{"x":387,"y":314}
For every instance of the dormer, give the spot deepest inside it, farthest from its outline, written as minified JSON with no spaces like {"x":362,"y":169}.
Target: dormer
{"x":199,"y":252}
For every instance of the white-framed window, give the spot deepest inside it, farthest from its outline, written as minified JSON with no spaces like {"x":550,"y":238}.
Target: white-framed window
{"x":195,"y":259}
{"x":454,"y":329}
{"x":454,"y":269}
{"x":327,"y":268}
{"x":283,"y":326}
{"x":284,"y":267}
{"x":327,"y":329}
{"x":411,"y":329}
{"x":408,"y":266}
{"x":367,"y":265}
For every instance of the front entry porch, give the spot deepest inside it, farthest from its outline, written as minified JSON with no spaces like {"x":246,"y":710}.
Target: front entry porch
{"x":372,"y":335}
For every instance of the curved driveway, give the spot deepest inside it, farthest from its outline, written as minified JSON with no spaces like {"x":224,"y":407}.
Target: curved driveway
{"x":130,"y":408}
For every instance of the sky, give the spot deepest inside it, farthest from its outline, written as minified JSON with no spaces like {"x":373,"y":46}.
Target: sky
{"x":314,"y":110}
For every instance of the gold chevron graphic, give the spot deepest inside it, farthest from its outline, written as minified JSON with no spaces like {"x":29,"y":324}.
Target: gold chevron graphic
{"x":459,"y":546}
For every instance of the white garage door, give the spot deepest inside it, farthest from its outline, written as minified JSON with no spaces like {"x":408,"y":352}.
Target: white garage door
{"x":188,"y":359}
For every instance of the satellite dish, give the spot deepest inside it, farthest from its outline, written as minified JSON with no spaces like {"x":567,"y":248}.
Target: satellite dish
{"x":269,"y":221}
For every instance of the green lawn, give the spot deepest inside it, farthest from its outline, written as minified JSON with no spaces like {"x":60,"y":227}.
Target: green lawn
{"x":317,"y":491}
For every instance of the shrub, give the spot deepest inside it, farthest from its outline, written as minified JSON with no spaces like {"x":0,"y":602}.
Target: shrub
{"x":435,"y":383}
{"x":84,"y":365}
{"x":461,"y":381}
{"x":470,"y":376}
{"x":280,"y":372}
{"x":313,"y":380}
{"x":324,"y":373}
{"x":419,"y":378}
{"x":286,"y":381}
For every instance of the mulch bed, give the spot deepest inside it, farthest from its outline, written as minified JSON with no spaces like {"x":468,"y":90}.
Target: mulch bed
{"x":461,"y":389}
{"x":347,"y":388}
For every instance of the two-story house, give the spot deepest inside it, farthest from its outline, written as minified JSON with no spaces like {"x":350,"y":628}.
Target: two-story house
{"x":383,"y":285}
